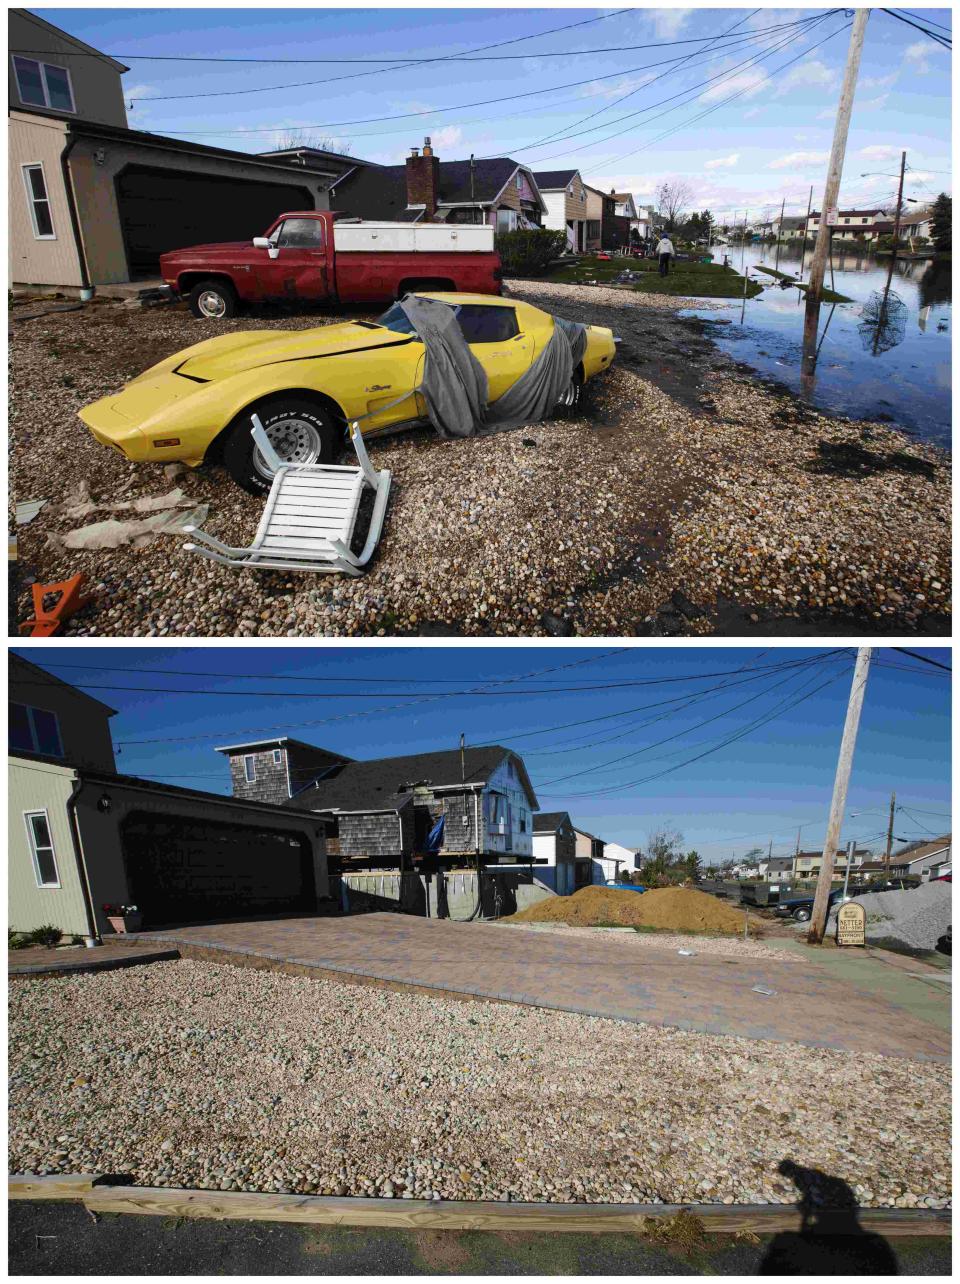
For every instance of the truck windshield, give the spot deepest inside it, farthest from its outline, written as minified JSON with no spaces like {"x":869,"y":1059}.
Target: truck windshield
{"x":396,"y":319}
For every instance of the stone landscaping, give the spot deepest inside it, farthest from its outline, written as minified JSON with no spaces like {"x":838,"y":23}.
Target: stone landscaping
{"x":192,"y":1074}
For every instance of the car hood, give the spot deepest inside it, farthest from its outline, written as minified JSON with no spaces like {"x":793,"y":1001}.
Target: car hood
{"x":213,"y":245}
{"x":230,"y":354}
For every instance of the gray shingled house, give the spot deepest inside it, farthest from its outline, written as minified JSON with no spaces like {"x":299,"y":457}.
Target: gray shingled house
{"x":380,"y":812}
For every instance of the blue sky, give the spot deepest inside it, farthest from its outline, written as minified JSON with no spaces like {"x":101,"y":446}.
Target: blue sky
{"x":370,"y":702}
{"x":768,"y":144}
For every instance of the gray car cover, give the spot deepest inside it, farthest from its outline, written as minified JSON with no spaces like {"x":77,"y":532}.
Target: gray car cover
{"x":454,"y":384}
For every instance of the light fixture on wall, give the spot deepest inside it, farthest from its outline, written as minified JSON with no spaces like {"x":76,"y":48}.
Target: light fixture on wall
{"x":104,"y":803}
{"x":99,"y":156}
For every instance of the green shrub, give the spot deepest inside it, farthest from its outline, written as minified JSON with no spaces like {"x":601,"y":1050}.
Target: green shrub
{"x":47,"y":935}
{"x":524,"y":253}
{"x":17,"y":940}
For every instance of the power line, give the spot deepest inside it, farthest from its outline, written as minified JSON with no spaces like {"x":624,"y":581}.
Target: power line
{"x":926,"y":30}
{"x":929,"y":21}
{"x":924,"y":658}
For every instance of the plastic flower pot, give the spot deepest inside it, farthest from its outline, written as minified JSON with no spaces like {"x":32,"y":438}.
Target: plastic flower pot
{"x":123,"y":923}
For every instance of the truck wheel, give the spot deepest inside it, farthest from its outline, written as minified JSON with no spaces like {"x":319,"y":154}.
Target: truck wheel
{"x":213,"y":300}
{"x":801,"y":915}
{"x":299,"y":431}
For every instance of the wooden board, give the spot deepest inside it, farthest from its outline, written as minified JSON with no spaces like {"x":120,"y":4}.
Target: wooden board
{"x":419,"y":1214}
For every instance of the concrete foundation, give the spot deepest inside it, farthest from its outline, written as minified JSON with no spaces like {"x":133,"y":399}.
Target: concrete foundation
{"x":452,"y":894}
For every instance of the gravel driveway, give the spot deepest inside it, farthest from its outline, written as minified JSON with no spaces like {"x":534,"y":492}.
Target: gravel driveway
{"x":717,"y":506}
{"x":201,"y":1075}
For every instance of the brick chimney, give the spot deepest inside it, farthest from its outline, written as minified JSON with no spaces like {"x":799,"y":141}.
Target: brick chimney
{"x":423,"y":178}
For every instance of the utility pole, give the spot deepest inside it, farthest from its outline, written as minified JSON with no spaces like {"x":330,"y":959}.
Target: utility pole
{"x":783,"y":206}
{"x":846,"y":872}
{"x":834,"y":171}
{"x":806,"y":225}
{"x":896,"y":225}
{"x":818,"y":920}
{"x":886,"y":855}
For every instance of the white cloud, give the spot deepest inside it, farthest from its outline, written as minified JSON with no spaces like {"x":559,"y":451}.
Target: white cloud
{"x":880,"y":82}
{"x":603,"y":89}
{"x":807,"y":75}
{"x":668,"y":23}
{"x":445,"y":137}
{"x":918,"y":55}
{"x":747,"y":83}
{"x":880,"y":152}
{"x":800,"y":160}
{"x":872,"y":104}
{"x":828,"y":113}
{"x":754,"y":111}
{"x":722,"y":162}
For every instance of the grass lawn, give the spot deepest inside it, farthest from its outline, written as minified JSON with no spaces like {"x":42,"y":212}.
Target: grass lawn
{"x":703,"y":280}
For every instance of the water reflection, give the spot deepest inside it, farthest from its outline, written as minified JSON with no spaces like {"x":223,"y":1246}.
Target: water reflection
{"x":884,"y":355}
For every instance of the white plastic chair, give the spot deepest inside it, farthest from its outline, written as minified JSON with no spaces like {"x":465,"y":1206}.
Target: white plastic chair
{"x":309,"y":519}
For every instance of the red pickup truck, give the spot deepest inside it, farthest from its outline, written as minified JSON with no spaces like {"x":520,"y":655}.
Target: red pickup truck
{"x":327,"y":257}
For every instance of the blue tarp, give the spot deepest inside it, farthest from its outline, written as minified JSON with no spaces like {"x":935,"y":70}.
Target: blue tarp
{"x":435,"y":837}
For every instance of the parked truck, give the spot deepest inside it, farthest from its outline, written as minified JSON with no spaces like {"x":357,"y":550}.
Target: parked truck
{"x":325,"y":257}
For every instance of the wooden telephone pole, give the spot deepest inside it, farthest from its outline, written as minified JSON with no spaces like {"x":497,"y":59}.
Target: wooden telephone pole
{"x":896,"y":225}
{"x":818,"y":920}
{"x":831,"y":193}
{"x":886,"y":855}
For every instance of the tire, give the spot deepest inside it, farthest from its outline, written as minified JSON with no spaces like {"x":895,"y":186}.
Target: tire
{"x":299,"y":430}
{"x":801,"y":915}
{"x":213,"y":300}
{"x":569,"y":402}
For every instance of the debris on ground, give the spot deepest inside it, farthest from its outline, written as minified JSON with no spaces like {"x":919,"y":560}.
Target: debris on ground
{"x":123,"y":1072}
{"x":28,"y":510}
{"x":914,"y":919}
{"x":670,"y":909}
{"x":114,"y":534}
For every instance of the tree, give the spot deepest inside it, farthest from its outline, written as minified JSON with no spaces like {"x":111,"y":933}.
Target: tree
{"x":942,"y":223}
{"x":294,"y":139}
{"x":693,"y":864}
{"x":663,"y":849}
{"x":672,"y":198}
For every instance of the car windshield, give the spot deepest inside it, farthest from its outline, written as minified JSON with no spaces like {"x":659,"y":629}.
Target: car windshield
{"x":396,"y":319}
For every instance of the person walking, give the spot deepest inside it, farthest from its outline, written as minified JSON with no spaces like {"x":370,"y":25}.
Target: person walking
{"x":664,"y":253}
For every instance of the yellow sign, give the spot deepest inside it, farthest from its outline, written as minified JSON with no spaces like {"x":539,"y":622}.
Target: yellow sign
{"x":852,"y":925}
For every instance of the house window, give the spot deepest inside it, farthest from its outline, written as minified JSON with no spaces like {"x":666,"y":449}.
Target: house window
{"x":519,"y":181}
{"x":38,"y":203}
{"x":42,"y":84}
{"x":506,"y":220}
{"x":35,"y":731}
{"x":41,"y":849}
{"x":249,"y":768}
{"x":277,"y":757}
{"x":846,"y":220}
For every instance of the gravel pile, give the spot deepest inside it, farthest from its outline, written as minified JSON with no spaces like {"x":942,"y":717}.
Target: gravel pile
{"x":729,"y":946}
{"x":202,"y":1075}
{"x":914,"y":918}
{"x":650,"y":513}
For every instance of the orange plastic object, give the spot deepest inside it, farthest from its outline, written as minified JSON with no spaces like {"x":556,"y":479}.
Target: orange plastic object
{"x":47,"y":620}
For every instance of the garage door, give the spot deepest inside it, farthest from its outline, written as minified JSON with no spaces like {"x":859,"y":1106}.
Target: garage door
{"x":162,"y":210}
{"x":181,"y":870}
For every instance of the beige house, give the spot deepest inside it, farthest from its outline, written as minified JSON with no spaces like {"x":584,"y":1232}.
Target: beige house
{"x":82,"y":836}
{"x":94,"y":203}
{"x":565,"y":195}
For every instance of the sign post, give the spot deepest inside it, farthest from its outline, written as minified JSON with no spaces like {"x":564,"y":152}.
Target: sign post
{"x":851,"y":924}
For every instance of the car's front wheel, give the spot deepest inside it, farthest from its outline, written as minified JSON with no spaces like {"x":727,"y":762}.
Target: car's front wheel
{"x":569,"y":401}
{"x":300,"y":433}
{"x":801,"y":915}
{"x":214,"y":300}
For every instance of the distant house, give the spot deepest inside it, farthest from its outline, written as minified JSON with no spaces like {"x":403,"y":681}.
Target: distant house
{"x":807,"y":864}
{"x":776,"y":869}
{"x":917,"y":225}
{"x":554,"y":851}
{"x":924,"y":859}
{"x":615,"y":861}
{"x":82,"y":836}
{"x":495,"y":190}
{"x":381,"y":812}
{"x":565,"y":196}
{"x":790,"y":228}
{"x":858,"y":225}
{"x":595,"y":207}
{"x":95,"y":203}
{"x":589,"y":855}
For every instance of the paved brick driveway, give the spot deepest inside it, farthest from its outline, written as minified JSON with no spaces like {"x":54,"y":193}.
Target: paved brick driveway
{"x":707,"y":992}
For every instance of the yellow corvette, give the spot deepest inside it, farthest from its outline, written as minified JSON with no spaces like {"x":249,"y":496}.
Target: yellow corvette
{"x":308,"y":385}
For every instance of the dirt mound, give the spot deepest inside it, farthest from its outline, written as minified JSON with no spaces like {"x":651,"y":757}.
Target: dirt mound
{"x":673,"y":909}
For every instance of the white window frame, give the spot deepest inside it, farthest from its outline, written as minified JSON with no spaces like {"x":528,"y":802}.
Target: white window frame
{"x":278,"y":757}
{"x":71,"y":110}
{"x":519,"y":177}
{"x":32,"y":202}
{"x":250,"y":768}
{"x":35,"y":848}
{"x":34,"y":748}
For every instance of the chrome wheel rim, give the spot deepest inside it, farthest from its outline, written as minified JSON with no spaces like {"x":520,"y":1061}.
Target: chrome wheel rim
{"x":569,"y":397}
{"x":296,"y":441}
{"x":212,"y":304}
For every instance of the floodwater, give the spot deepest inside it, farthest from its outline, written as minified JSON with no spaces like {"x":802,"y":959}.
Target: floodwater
{"x":884,"y":356}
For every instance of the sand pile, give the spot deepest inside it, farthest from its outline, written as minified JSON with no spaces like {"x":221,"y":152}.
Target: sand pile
{"x":672,"y":909}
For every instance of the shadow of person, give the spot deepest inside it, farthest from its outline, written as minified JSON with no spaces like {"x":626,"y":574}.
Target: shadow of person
{"x":831,"y":1240}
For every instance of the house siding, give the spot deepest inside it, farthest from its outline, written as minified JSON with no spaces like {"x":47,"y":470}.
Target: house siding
{"x":40,"y":786}
{"x":270,"y":784}
{"x":96,"y":84}
{"x":373,"y":835}
{"x":35,"y":140}
{"x":84,"y":723}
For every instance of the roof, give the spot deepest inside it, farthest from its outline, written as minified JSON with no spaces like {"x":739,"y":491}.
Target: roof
{"x":45,"y":679}
{"x":779,"y":862}
{"x":381,"y":192}
{"x":379,"y":784}
{"x":585,"y":833}
{"x":271,"y":743}
{"x":849,"y":213}
{"x":549,"y":180}
{"x":548,"y":822}
{"x":920,"y":851}
{"x":154,"y":786}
